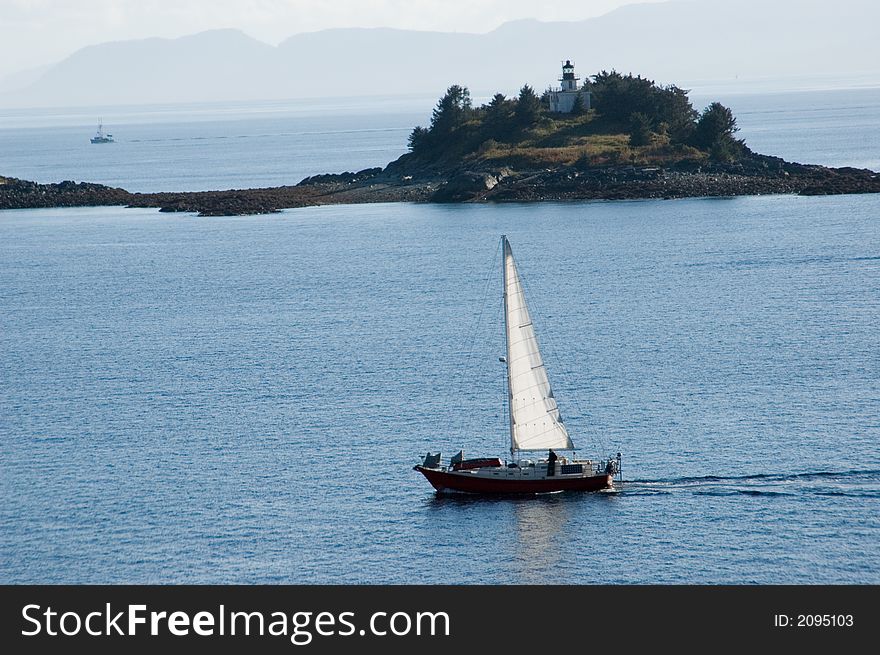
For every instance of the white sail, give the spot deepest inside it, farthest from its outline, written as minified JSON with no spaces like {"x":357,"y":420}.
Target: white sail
{"x":535,"y":423}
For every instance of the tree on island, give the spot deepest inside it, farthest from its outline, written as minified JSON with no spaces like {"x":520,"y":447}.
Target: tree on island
{"x":452,"y":110}
{"x":418,"y":138}
{"x":617,"y":97}
{"x":578,"y":108}
{"x":528,"y":107}
{"x":639,"y":129}
{"x":497,"y":117}
{"x":714,"y":132}
{"x":497,"y":107}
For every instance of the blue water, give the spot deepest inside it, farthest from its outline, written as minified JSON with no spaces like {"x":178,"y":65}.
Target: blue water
{"x":204,"y":147}
{"x":241,"y":399}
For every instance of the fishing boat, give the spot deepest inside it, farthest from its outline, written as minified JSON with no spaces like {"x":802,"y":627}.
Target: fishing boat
{"x":537,"y":433}
{"x":101,"y":137}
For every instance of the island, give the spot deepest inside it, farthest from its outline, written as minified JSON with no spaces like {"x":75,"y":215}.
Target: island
{"x":615,"y":137}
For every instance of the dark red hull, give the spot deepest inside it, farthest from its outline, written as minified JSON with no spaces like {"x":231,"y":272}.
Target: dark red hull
{"x":443,"y":481}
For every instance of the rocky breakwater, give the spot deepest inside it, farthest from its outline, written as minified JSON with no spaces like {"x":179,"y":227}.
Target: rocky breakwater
{"x":756,"y":176}
{"x":22,"y":194}
{"x":365,"y":186}
{"x":317,"y":190}
{"x":479,"y":182}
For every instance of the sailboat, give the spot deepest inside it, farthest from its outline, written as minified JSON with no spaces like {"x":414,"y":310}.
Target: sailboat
{"x":536,"y":428}
{"x":100,"y":136}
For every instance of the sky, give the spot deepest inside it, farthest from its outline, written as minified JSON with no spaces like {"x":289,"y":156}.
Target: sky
{"x":39,"y":32}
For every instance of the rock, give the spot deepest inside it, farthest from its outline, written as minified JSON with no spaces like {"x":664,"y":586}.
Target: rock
{"x":467,"y":185}
{"x":341,"y":178}
{"x":844,"y":180}
{"x":22,"y":194}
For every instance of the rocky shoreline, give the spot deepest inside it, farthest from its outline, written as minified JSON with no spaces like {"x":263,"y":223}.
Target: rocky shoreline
{"x":401,"y":181}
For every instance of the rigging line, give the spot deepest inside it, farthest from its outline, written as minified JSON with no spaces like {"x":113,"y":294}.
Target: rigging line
{"x":592,"y":435}
{"x":505,"y":393}
{"x":565,"y":378}
{"x":461,"y":420}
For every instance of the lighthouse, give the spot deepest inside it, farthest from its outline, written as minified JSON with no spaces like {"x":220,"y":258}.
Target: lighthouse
{"x":562,"y":98}
{"x":569,"y":79}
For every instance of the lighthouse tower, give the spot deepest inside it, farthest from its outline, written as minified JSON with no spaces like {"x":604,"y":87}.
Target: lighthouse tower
{"x":562,"y":99}
{"x":569,"y":79}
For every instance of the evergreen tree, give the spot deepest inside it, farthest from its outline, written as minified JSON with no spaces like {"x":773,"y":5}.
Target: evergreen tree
{"x":578,"y":109}
{"x":528,"y":107}
{"x":452,"y":110}
{"x":716,"y":123}
{"x":714,"y":132}
{"x":639,"y":130}
{"x":497,"y":104}
{"x":617,"y":97}
{"x":498,"y":113}
{"x":418,"y":138}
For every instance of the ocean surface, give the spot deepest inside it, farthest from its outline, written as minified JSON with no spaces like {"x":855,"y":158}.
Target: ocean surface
{"x":242,"y":399}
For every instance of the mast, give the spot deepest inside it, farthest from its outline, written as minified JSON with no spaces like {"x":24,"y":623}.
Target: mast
{"x":504,"y":248}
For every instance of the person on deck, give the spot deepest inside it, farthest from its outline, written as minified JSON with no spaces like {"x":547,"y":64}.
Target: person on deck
{"x":551,"y":463}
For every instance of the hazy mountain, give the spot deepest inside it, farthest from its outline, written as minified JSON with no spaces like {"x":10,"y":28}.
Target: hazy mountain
{"x":21,"y":79}
{"x":682,"y":41}
{"x":222,"y":64}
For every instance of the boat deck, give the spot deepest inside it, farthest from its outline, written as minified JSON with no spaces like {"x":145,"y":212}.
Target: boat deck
{"x":529,"y":479}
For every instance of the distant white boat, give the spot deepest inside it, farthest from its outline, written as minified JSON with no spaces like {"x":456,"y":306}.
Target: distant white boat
{"x":100,"y":137}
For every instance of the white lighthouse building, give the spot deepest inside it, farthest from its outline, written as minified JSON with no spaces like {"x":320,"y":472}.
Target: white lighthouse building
{"x":562,"y":98}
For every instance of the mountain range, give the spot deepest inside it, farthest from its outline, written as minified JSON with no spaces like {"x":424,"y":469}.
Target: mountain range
{"x":688,"y":42}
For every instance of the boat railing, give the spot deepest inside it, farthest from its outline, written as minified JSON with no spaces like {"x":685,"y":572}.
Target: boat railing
{"x":564,"y":466}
